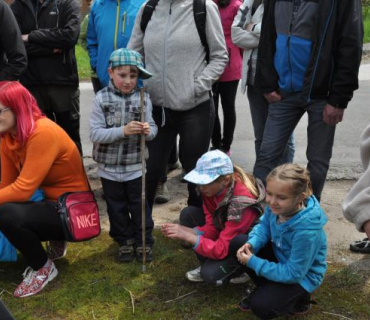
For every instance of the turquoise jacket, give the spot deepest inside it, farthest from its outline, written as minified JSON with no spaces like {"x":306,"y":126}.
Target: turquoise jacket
{"x":110,"y":27}
{"x":299,"y":245}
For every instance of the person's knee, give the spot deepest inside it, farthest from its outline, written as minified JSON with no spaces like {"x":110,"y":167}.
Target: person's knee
{"x":7,"y":214}
{"x":184,"y":216}
{"x":236,"y":243}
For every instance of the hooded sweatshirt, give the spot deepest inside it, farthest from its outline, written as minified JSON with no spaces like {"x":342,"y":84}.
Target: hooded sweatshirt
{"x":173,"y":52}
{"x":299,"y":245}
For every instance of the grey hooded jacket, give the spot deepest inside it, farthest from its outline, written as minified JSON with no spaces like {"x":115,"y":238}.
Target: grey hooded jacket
{"x":173,"y":52}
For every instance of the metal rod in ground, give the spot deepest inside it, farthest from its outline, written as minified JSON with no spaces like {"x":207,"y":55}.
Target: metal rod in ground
{"x":143,"y":169}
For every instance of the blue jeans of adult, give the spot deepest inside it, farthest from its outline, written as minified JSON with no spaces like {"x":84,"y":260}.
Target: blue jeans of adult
{"x":282,"y":119}
{"x":124,"y":210}
{"x":259,"y":108}
{"x":194,"y":128}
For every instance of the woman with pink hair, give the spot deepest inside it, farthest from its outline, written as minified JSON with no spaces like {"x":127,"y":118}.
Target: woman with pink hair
{"x":35,"y":154}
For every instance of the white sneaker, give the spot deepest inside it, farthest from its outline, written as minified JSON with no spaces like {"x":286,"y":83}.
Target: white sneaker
{"x":243,"y":278}
{"x":34,"y":281}
{"x":194,"y":275}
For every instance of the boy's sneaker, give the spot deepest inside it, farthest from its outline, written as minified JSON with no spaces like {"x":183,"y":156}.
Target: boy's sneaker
{"x":149,"y":254}
{"x":162,"y":195}
{"x":56,"y":249}
{"x":194,"y":275}
{"x":243,"y":278}
{"x":34,"y":281}
{"x":126,"y":254}
{"x":360,"y":246}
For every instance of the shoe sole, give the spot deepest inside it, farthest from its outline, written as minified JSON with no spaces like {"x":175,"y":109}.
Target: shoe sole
{"x":193,"y":280}
{"x":51,"y":277}
{"x":359,"y":250}
{"x":160,"y":200}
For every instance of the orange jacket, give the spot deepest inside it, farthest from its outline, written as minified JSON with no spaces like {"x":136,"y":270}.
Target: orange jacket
{"x":49,"y":160}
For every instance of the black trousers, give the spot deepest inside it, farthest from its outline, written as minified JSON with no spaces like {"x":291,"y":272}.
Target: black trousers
{"x":212,"y":271}
{"x":61,"y":104}
{"x":4,"y":313}
{"x":27,"y":224}
{"x":227,"y":92}
{"x":124,"y":210}
{"x":194,"y":128}
{"x":271,"y":299}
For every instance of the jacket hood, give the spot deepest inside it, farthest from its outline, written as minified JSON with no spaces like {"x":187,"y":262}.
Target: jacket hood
{"x":310,"y":218}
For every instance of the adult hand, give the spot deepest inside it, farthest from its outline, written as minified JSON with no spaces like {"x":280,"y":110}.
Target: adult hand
{"x":332,"y":115}
{"x":25,"y":37}
{"x":272,"y":97}
{"x":244,"y":253}
{"x":133,"y":127}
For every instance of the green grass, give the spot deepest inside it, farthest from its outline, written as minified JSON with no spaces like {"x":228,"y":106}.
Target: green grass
{"x":367,"y":28}
{"x":92,"y":285}
{"x":83,"y":63}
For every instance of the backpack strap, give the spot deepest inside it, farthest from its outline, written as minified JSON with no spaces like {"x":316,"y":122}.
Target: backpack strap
{"x":200,"y":14}
{"x":147,"y":13}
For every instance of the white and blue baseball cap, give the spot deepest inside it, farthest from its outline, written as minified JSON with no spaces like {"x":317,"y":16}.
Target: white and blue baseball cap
{"x":210,"y":166}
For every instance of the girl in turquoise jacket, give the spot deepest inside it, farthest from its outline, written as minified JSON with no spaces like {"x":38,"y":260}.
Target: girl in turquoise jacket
{"x":285,"y":255}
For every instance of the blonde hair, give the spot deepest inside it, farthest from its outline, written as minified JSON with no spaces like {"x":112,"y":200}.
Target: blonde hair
{"x":298,"y":176}
{"x":245,"y":178}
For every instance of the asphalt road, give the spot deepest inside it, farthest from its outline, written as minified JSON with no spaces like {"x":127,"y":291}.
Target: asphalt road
{"x":345,"y":162}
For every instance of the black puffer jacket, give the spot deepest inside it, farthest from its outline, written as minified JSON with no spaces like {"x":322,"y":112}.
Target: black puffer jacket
{"x":54,"y":26}
{"x":13,"y":58}
{"x":332,"y":72}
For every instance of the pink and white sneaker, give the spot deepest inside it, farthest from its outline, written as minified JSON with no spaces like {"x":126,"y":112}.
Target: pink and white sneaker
{"x":56,"y":249}
{"x":34,"y":281}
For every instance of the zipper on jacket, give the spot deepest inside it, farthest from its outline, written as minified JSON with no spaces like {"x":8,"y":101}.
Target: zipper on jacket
{"x":164,"y":54}
{"x":120,"y":146}
{"x":117,"y":22}
{"x":320,"y":48}
{"x":289,"y":50}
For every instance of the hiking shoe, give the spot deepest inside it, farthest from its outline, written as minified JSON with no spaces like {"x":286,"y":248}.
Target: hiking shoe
{"x":56,"y":249}
{"x":361,"y":246}
{"x":149,"y":254}
{"x":173,"y":166}
{"x":194,"y":275}
{"x":245,"y":303}
{"x":243,"y":278}
{"x":162,"y":194}
{"x":126,"y":254}
{"x":34,"y":281}
{"x":182,"y":176}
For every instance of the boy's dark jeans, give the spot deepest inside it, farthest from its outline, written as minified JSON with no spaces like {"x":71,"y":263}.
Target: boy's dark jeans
{"x":271,"y":299}
{"x":124,"y":210}
{"x":194,"y":127}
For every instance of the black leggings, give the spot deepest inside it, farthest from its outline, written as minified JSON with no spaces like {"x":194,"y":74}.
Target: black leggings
{"x":271,"y":299}
{"x":227,"y":92}
{"x":26,"y":224}
{"x":212,"y":271}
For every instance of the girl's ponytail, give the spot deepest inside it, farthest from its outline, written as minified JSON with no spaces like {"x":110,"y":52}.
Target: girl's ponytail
{"x":247,"y":179}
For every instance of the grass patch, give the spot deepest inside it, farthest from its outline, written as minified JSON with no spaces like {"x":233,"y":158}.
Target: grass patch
{"x":83,"y":63}
{"x":92,"y":285}
{"x":367,"y":28}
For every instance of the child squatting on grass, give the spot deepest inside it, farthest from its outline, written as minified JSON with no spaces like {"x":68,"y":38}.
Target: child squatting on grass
{"x":231,"y":206}
{"x":115,"y":130}
{"x":285,"y":254}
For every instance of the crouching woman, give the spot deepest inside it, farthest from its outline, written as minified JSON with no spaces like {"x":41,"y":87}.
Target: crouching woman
{"x":35,"y":153}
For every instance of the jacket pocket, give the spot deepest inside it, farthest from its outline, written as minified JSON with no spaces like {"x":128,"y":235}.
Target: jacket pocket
{"x":112,"y":114}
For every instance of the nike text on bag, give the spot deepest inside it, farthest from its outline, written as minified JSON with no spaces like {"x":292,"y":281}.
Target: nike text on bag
{"x":79,"y":213}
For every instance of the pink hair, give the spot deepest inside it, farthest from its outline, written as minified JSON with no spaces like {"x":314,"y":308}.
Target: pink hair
{"x":24,"y":106}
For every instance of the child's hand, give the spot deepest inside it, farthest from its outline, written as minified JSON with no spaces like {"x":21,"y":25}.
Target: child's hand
{"x":146,"y":128}
{"x":133,"y":127}
{"x":176,"y":231}
{"x":244,"y":253}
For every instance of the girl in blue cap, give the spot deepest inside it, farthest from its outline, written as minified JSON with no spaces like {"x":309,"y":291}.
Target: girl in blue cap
{"x":115,"y":130}
{"x":231,"y":206}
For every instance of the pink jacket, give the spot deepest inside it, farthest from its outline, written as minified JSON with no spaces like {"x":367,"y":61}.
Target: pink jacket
{"x":213,"y":243}
{"x":233,"y":69}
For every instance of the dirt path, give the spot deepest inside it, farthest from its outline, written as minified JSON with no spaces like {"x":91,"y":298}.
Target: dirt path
{"x":339,"y":231}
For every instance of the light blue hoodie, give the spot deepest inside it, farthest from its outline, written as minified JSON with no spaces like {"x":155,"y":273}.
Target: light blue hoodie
{"x":110,"y":27}
{"x":299,"y":245}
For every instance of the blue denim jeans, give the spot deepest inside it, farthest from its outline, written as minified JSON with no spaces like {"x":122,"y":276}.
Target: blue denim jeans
{"x":259,"y":107}
{"x":282,"y":119}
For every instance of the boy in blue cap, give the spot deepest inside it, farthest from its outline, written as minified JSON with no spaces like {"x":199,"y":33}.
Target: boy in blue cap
{"x":115,"y":130}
